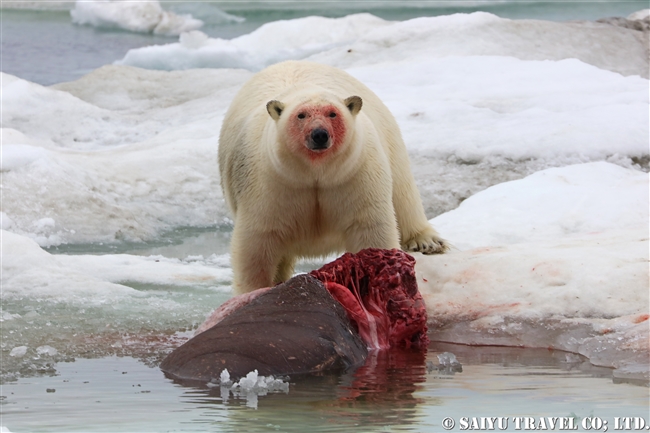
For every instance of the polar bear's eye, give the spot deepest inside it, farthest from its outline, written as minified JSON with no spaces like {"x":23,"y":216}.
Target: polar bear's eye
{"x":301,"y":116}
{"x":332,"y":114}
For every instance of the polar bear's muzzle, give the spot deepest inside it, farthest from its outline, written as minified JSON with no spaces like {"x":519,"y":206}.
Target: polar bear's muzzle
{"x":319,"y":139}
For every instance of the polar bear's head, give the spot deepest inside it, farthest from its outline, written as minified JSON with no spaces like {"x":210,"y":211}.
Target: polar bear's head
{"x":315,"y":126}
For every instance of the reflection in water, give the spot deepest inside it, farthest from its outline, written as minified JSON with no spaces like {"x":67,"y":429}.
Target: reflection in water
{"x":381,"y":392}
{"x":377,"y":394}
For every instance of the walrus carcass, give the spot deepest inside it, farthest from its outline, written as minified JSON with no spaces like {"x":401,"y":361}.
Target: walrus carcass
{"x":327,"y":320}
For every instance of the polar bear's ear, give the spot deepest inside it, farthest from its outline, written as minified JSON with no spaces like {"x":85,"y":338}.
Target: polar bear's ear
{"x":275,"y":109}
{"x":354,"y":104}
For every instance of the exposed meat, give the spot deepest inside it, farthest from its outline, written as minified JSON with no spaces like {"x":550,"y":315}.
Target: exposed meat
{"x":379,"y":291}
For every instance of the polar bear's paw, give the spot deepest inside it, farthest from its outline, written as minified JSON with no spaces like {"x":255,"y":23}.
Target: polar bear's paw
{"x":426,"y":242}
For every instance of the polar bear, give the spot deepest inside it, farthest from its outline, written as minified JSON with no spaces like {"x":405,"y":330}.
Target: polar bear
{"x":313,"y":163}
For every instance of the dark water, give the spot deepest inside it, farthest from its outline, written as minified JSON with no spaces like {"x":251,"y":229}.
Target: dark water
{"x":46,"y":48}
{"x":396,"y":391}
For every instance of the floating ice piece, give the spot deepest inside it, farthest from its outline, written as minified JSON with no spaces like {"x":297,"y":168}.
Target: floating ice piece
{"x":225,"y":378}
{"x":250,"y":387}
{"x":447,"y":359}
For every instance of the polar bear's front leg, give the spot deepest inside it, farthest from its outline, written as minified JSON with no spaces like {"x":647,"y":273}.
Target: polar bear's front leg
{"x":361,"y":235}
{"x":255,"y":258}
{"x":284,"y":270}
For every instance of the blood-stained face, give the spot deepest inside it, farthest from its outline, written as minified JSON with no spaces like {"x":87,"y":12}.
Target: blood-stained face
{"x":316,"y":129}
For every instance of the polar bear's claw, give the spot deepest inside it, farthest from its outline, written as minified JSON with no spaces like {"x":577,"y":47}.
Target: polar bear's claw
{"x":426,"y":243}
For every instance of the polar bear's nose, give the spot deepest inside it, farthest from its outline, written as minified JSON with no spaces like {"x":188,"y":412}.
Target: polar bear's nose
{"x":319,"y":139}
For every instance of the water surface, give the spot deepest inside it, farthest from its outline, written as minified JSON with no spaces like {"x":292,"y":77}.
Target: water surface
{"x":393,"y":392}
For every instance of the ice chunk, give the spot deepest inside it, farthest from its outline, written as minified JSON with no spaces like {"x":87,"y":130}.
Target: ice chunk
{"x":247,"y":383}
{"x":139,"y":16}
{"x":18,"y":352}
{"x":46,"y":350}
{"x":225,"y":378}
{"x":447,"y":359}
{"x":251,"y":386}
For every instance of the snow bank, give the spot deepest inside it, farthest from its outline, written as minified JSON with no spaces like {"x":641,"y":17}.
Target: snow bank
{"x":29,"y":271}
{"x":93,"y":279}
{"x":145,"y":16}
{"x":130,"y":162}
{"x":361,"y":40}
{"x":475,"y":107}
{"x":558,"y":259}
{"x":271,"y":43}
{"x":557,"y":203}
{"x":480,"y":34}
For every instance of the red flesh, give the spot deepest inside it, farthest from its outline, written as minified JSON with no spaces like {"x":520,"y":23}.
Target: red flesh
{"x":379,"y":291}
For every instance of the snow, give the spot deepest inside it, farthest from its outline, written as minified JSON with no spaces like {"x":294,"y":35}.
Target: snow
{"x":573,"y":110}
{"x":533,"y":161}
{"x":557,"y":203}
{"x":33,"y":272}
{"x":362,"y":39}
{"x":558,"y":259}
{"x":104,"y":172}
{"x":639,"y":15}
{"x":136,"y":16}
{"x":271,"y":43}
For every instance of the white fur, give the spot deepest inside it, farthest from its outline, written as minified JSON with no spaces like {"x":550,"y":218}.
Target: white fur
{"x":287,"y":205}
